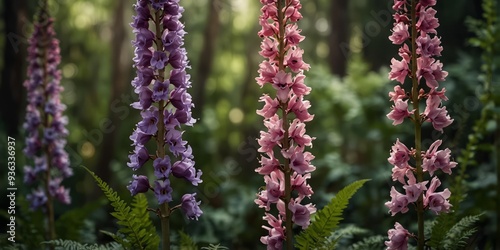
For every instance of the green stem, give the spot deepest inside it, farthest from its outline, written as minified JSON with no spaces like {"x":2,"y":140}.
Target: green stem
{"x":164,"y":211}
{"x":284,"y":141}
{"x":418,"y":124}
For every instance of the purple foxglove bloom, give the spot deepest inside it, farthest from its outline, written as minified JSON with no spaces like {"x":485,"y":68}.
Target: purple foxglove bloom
{"x":178,"y":78}
{"x":138,"y":158}
{"x":139,"y":184}
{"x":398,"y":238}
{"x":148,"y":125}
{"x":184,"y":169}
{"x":191,"y":207}
{"x":162,"y":167}
{"x":301,"y":214}
{"x":159,"y":60}
{"x":171,"y":40}
{"x":163,"y":191}
{"x":37,"y":199}
{"x":160,"y":91}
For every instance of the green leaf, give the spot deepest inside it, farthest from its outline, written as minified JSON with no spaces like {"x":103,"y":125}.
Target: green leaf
{"x":139,"y":234}
{"x":186,"y":242}
{"x":327,"y":219}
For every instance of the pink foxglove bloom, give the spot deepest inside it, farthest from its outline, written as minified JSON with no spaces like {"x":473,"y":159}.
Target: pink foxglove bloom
{"x":284,"y":142}
{"x":437,"y":201}
{"x":399,"y":112}
{"x":398,"y":238}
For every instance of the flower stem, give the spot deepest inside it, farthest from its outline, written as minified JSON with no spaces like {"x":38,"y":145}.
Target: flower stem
{"x":284,"y":142}
{"x":164,"y":211}
{"x":418,"y":124}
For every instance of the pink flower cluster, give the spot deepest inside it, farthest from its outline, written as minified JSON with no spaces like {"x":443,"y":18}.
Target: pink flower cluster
{"x":428,"y":45}
{"x":425,"y":48}
{"x":284,"y":117}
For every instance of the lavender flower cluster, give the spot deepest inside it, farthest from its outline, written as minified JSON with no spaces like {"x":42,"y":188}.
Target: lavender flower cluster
{"x":161,"y":84}
{"x":45,"y":123}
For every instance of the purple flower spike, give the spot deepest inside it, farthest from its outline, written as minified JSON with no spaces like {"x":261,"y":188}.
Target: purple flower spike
{"x":164,"y":102}
{"x":45,"y":122}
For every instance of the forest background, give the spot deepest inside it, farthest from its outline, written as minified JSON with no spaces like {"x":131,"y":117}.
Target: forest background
{"x":349,"y":52}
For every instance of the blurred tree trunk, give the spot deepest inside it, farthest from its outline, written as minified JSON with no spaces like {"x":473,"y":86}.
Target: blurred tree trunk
{"x":206,"y":56}
{"x":118,"y":84}
{"x":339,"y":36}
{"x":13,"y":74}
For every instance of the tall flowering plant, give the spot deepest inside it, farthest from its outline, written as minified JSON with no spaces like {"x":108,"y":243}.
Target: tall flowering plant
{"x":285,"y":163}
{"x":45,"y":123}
{"x":161,"y":84}
{"x":415,"y":29}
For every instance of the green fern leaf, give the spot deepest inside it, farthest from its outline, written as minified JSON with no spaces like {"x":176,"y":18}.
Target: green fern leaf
{"x":327,"y":219}
{"x":442,"y":225}
{"x":139,"y":209}
{"x":73,"y":245}
{"x":129,"y":225}
{"x":457,"y":236}
{"x":215,"y":247}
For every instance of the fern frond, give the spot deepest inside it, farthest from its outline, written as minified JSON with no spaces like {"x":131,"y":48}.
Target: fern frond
{"x":141,"y":216}
{"x":73,"y":245}
{"x":327,"y":219}
{"x":457,"y":236}
{"x":442,"y":225}
{"x":137,"y":237}
{"x":186,"y":242}
{"x":372,"y":242}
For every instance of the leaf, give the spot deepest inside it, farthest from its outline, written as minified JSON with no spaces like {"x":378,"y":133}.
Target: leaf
{"x":327,"y":219}
{"x":131,"y":224}
{"x":186,"y":242}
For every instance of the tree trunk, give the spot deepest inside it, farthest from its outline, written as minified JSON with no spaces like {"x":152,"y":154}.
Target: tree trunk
{"x":339,"y":37}
{"x":206,"y":56}
{"x":119,"y":79}
{"x":13,"y":75}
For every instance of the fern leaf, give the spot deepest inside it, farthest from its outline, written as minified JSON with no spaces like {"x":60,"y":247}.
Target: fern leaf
{"x":327,"y":219}
{"x":458,"y":235}
{"x":73,"y":245}
{"x":441,"y":226}
{"x":126,"y":218}
{"x":186,"y":242}
{"x":139,"y":209}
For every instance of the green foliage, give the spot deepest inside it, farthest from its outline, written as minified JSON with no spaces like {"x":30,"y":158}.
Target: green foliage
{"x":135,"y":223}
{"x":449,"y":235}
{"x":372,"y":242}
{"x":70,"y":224}
{"x":327,"y":220}
{"x":73,"y":245}
{"x":186,"y":242}
{"x":214,"y":247}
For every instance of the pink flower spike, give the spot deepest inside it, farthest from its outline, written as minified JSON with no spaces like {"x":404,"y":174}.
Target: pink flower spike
{"x":268,"y":165}
{"x":434,"y":159}
{"x":300,"y":161}
{"x":399,"y":70}
{"x":399,"y":33}
{"x":267,"y":71}
{"x":398,"y":174}
{"x":429,"y":47}
{"x":275,"y":186}
{"x":299,"y":183}
{"x":398,"y":238}
{"x":276,"y":233}
{"x":439,"y":118}
{"x":427,"y":21}
{"x":399,"y":112}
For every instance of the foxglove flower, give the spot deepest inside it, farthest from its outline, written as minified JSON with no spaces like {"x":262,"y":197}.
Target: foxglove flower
{"x":45,"y":123}
{"x":418,"y":51}
{"x":162,"y":86}
{"x":285,"y":116}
